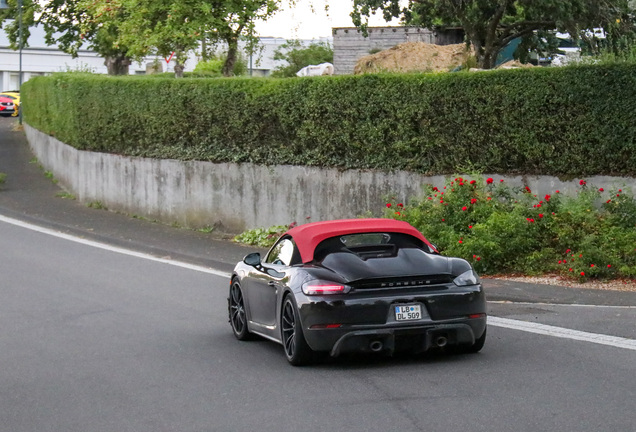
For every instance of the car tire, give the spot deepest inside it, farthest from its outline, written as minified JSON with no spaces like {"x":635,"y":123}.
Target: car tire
{"x":237,"y":314}
{"x":296,"y":349}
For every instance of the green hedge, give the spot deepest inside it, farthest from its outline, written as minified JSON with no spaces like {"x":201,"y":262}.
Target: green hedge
{"x":573,"y":121}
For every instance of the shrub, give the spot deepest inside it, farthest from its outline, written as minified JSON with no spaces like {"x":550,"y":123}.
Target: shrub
{"x":571,"y":121}
{"x":511,"y":230}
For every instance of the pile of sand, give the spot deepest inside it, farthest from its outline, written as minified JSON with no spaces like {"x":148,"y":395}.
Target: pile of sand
{"x":414,"y":57}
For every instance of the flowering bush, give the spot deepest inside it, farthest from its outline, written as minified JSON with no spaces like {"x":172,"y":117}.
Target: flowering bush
{"x":502,"y":229}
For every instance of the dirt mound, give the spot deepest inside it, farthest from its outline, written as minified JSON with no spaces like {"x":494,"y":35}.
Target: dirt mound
{"x":414,"y":57}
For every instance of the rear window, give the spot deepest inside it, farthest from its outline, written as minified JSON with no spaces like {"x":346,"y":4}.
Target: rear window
{"x":368,"y":245}
{"x":353,"y":240}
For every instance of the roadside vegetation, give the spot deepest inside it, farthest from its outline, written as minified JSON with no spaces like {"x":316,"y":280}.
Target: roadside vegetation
{"x":3,"y":178}
{"x":510,"y":230}
{"x":263,"y":237}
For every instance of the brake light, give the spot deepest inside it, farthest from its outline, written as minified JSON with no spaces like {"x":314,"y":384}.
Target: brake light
{"x":479,"y":315}
{"x":317,"y":288}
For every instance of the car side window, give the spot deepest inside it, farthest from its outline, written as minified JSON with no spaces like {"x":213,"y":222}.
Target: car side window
{"x":281,"y":253}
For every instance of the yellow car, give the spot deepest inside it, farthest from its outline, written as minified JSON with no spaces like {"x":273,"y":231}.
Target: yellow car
{"x":9,"y":103}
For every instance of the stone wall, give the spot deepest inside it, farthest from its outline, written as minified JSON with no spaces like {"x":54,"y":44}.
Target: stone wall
{"x":349,"y":44}
{"x":242,"y":196}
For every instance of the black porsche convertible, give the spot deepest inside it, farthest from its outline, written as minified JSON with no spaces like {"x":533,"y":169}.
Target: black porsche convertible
{"x":358,"y":285}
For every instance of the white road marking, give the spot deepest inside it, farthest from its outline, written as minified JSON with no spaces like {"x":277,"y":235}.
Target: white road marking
{"x":504,"y":302}
{"x":494,"y":321}
{"x":560,"y":332}
{"x":120,"y":250}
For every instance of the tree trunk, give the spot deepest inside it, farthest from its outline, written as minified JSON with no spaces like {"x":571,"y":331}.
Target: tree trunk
{"x":232,"y":53}
{"x":178,"y":69}
{"x":117,"y":65}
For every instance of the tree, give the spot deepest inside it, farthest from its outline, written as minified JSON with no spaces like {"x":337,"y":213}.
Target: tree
{"x":491,"y":24}
{"x":297,"y":56}
{"x":179,"y":26}
{"x":69,"y":24}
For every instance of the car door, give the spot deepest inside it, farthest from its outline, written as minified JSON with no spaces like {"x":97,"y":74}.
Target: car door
{"x":266,"y":283}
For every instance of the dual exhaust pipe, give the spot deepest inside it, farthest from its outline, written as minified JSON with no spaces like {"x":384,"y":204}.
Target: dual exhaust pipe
{"x":439,"y":341}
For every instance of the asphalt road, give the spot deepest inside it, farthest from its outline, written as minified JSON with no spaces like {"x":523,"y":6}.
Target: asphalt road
{"x":93,"y":340}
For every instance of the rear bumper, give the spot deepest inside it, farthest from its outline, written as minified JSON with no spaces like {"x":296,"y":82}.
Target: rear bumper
{"x":415,"y":339}
{"x":346,"y":324}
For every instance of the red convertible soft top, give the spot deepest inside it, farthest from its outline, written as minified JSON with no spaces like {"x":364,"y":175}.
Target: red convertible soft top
{"x":308,"y":236}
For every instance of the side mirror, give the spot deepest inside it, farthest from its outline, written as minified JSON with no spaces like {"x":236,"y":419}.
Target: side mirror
{"x":252,"y":259}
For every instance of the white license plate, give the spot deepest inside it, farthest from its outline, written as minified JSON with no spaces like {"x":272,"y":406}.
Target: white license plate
{"x":408,"y":312}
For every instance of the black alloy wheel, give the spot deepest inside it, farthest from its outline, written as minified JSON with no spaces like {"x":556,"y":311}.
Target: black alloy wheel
{"x":238,"y":318}
{"x":297,"y":351}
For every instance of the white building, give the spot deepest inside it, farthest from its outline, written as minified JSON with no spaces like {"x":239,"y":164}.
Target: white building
{"x":41,"y":59}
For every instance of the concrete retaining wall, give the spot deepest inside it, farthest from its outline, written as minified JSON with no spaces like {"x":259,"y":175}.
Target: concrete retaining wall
{"x":242,"y":196}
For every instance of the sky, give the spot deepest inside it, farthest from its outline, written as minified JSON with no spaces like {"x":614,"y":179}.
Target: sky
{"x":308,"y":19}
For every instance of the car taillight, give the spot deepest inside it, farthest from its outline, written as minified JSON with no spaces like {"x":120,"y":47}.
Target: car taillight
{"x":324,"y":288}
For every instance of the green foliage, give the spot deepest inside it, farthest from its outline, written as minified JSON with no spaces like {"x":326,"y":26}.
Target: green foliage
{"x":297,"y":57}
{"x":263,"y":237}
{"x":97,"y":205}
{"x":569,"y":121}
{"x":491,"y":24}
{"x":214,"y":66}
{"x":3,"y":178}
{"x":511,"y":230}
{"x":167,"y":26}
{"x":65,"y":195}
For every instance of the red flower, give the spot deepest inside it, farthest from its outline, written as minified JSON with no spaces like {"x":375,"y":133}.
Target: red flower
{"x":398,"y":213}
{"x":478,"y":258}
{"x":435,"y":189}
{"x":591,"y":265}
{"x":441,"y":201}
{"x":609,"y":266}
{"x":582,"y":273}
{"x":617,"y":195}
{"x":547,"y":197}
{"x":560,"y":262}
{"x":568,"y":251}
{"x":461,"y":183}
{"x":582,"y":182}
{"x":400,"y":205}
{"x":470,"y":227}
{"x":388,"y":205}
{"x":472,"y":182}
{"x":501,"y":181}
{"x":608,"y":201}
{"x":601,"y":190}
{"x":540,"y":215}
{"x":530,"y":220}
{"x":557,"y":191}
{"x":473,"y":201}
{"x":528,"y":190}
{"x":620,"y":190}
{"x":464,"y":208}
{"x":489,"y":180}
{"x":443,"y":220}
{"x":489,"y":198}
{"x":461,"y":241}
{"x":570,"y":269}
